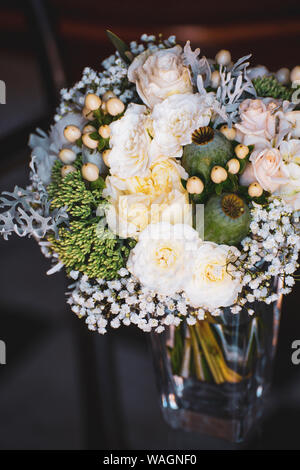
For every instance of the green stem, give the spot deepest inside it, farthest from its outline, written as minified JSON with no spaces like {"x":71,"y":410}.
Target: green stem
{"x":185,"y":372}
{"x":196,"y":355}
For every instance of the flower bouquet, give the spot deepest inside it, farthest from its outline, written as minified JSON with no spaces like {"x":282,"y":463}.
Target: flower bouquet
{"x":168,"y":189}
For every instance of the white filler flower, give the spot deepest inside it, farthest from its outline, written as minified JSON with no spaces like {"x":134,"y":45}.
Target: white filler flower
{"x":213,"y":281}
{"x":161,"y":258}
{"x":130,"y":143}
{"x":175,"y":119}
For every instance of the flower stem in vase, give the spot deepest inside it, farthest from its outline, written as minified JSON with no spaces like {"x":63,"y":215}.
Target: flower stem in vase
{"x":185,"y":367}
{"x":197,"y":356}
{"x":214,"y":356}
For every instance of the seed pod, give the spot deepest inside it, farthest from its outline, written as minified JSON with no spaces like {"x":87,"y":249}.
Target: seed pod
{"x":90,"y":172}
{"x":72,"y":133}
{"x":194,"y":185}
{"x":66,"y":169}
{"x":241,"y":151}
{"x":233,"y":166}
{"x":92,"y":101}
{"x":255,"y":189}
{"x":218,"y":174}
{"x":67,"y":156}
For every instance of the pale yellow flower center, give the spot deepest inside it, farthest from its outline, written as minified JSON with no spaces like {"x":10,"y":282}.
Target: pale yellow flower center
{"x":166,"y":256}
{"x":214,"y":272}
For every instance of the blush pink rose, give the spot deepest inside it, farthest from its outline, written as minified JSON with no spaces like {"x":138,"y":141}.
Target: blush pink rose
{"x":267,"y":168}
{"x":258,"y":122}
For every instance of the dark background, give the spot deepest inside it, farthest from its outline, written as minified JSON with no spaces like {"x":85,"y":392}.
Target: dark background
{"x":64,"y":387}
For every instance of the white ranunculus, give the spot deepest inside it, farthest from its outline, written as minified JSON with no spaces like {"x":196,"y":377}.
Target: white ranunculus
{"x":130,"y":144}
{"x":293,"y":119}
{"x":290,"y":192}
{"x":290,"y":150}
{"x":175,"y":119}
{"x":161,"y":258}
{"x":213,"y":282}
{"x":160,"y":74}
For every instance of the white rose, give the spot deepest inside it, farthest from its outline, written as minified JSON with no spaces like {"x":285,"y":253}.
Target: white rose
{"x":130,"y":144}
{"x":160,"y":74}
{"x":161,"y":258}
{"x":290,"y":192}
{"x":213,"y":282}
{"x":175,"y":119}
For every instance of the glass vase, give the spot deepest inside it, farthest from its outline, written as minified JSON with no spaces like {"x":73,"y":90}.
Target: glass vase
{"x":213,"y":377}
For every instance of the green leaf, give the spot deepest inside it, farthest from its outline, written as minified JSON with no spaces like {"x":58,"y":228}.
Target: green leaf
{"x":95,"y":135}
{"x":98,"y":184}
{"x":79,"y":142}
{"x":102,"y":144}
{"x":243,"y":164}
{"x":219,"y":188}
{"x":121,"y":47}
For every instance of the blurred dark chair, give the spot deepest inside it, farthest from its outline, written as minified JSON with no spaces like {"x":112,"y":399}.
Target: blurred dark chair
{"x":101,"y":414}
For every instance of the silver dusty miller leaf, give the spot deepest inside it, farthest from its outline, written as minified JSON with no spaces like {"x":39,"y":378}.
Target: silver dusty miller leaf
{"x":199,"y":67}
{"x":235,"y":86}
{"x":26,"y":213}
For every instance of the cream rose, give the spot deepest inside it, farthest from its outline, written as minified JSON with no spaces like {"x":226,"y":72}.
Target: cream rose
{"x":172,"y":207}
{"x":115,"y":186}
{"x":161,"y":258}
{"x":160,"y":74}
{"x":175,"y":119}
{"x":130,"y":144}
{"x":166,"y":175}
{"x":129,"y":215}
{"x":213,"y":282}
{"x":258,"y":122}
{"x":135,"y":202}
{"x":266,"y":166}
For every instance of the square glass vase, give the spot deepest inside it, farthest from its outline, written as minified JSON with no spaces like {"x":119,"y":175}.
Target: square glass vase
{"x":213,"y":377}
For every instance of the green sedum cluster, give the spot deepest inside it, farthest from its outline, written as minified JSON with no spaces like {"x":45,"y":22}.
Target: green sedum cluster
{"x":268,"y":86}
{"x":86,"y":244}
